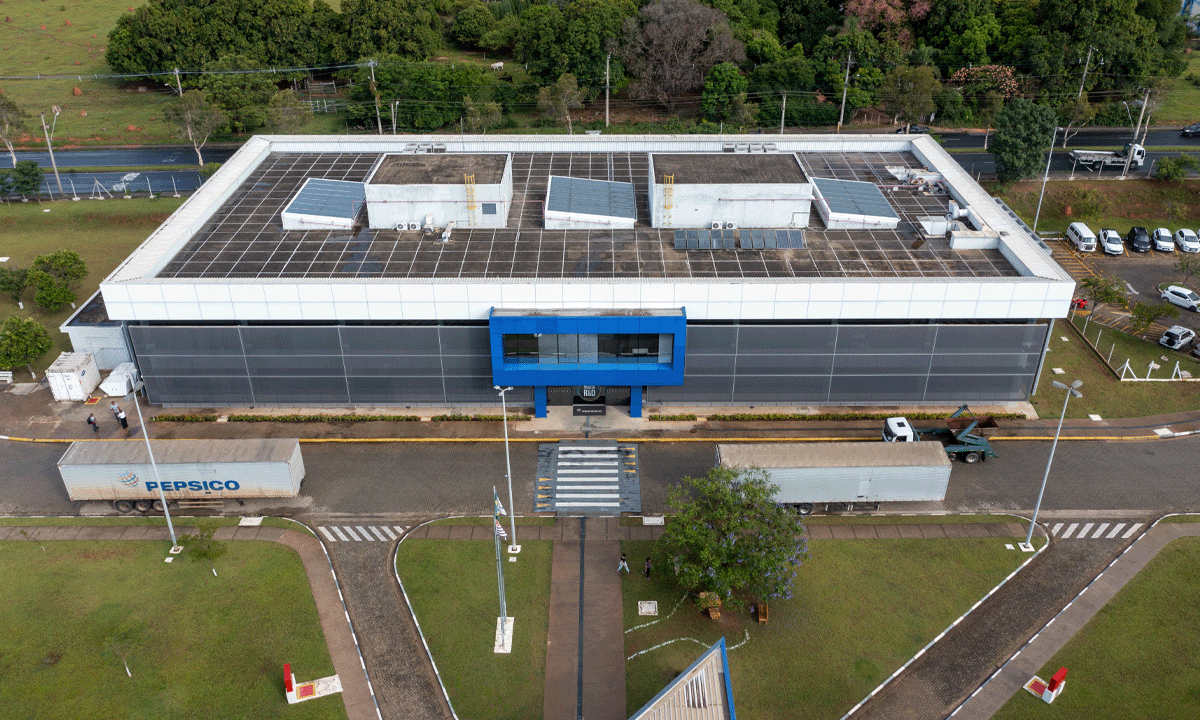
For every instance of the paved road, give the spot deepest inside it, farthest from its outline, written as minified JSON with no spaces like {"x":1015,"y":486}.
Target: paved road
{"x":122,"y":157}
{"x":1093,"y":137}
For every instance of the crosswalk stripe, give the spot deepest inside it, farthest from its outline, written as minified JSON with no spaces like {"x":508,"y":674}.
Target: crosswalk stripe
{"x":573,"y":479}
{"x":588,"y":487}
{"x":351,"y":533}
{"x":337,"y":531}
{"x":1070,"y":530}
{"x":1130,"y":531}
{"x":587,"y":495}
{"x":1100,"y":530}
{"x":596,"y":463}
{"x":399,"y":528}
{"x":1083,"y":533}
{"x":379,"y":534}
{"x":366,"y":535}
{"x":589,"y":448}
{"x":328,"y":535}
{"x":587,"y":504}
{"x":391,"y":535}
{"x":606,"y":471}
{"x":1116,"y":529}
{"x":1057,"y":527}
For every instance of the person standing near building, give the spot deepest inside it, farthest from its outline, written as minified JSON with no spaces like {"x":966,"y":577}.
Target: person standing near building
{"x":115,"y":409}
{"x":623,"y":565}
{"x":646,"y":572}
{"x":123,"y":419}
{"x":95,"y":425}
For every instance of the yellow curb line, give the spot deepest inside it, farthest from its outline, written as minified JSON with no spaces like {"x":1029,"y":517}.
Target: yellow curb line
{"x":626,"y":440}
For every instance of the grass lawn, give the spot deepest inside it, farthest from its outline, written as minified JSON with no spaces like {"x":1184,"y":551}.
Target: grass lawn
{"x":1101,"y":203}
{"x":860,"y":610}
{"x":1137,"y":657}
{"x":1178,"y":105}
{"x":452,"y":586}
{"x":102,"y":232}
{"x":202,"y":647}
{"x":905,"y":519}
{"x":529,"y":520}
{"x":1123,"y":346}
{"x":1103,"y":394}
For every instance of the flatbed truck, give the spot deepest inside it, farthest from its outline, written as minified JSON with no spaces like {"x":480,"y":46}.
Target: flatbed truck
{"x":1132,"y":153}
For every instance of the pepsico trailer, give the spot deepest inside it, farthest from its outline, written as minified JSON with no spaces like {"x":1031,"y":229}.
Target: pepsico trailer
{"x":187,"y":470}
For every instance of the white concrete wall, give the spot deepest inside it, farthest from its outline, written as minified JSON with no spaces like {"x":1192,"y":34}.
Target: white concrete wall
{"x":106,"y":344}
{"x":752,"y":206}
{"x":899,"y":299}
{"x":392,"y":205}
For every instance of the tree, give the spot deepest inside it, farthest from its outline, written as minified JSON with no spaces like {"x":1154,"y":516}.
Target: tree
{"x":287,"y":113}
{"x":1023,"y":135}
{"x":407,"y":28}
{"x":1174,"y":169}
{"x":672,"y":45}
{"x":729,"y":536}
{"x":1075,"y":114}
{"x":202,"y":545}
{"x":480,"y":117}
{"x":908,"y":93}
{"x":242,"y":96}
{"x":1103,"y":290}
{"x":54,"y":277}
{"x":12,"y":124}
{"x":559,"y":99}
{"x":26,"y":178}
{"x":724,"y":92}
{"x":195,"y":119}
{"x":1187,"y":265}
{"x":13,"y":281}
{"x":22,"y":342}
{"x":1144,"y":314}
{"x":472,"y":23}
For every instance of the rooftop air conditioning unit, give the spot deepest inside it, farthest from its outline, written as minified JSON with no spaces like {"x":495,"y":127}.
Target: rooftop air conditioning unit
{"x":716,"y":225}
{"x":414,"y":226}
{"x":731,"y":226}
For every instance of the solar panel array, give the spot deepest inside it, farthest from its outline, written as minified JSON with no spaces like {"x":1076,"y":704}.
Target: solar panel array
{"x":591,"y":197}
{"x":728,"y":239}
{"x":328,"y":198}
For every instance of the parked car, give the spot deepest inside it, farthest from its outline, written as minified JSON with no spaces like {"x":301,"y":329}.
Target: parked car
{"x":1181,"y":296}
{"x":921,"y":129}
{"x":1192,"y":130}
{"x":1138,"y":239}
{"x":1111,"y":243}
{"x":1187,"y":241}
{"x":1176,"y":337}
{"x":1163,"y":242}
{"x":1082,"y":236}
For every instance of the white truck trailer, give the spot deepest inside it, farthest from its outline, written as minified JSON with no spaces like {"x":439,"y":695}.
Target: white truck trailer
{"x":841,"y":476}
{"x":187,"y":470}
{"x":1132,"y":153}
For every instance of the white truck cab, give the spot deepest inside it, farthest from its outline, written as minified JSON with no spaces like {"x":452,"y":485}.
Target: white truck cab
{"x":898,"y":429}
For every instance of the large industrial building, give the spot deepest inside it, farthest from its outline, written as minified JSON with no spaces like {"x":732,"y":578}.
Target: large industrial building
{"x":585,"y":270}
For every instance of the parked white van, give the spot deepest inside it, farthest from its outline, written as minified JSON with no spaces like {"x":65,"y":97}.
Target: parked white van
{"x":1082,"y":236}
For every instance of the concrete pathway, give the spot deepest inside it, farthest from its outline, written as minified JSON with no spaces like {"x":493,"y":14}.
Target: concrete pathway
{"x":1012,"y":677}
{"x":339,"y":636}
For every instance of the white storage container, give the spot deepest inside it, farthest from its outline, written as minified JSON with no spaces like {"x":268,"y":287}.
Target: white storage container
{"x":73,"y":377}
{"x":121,"y":380}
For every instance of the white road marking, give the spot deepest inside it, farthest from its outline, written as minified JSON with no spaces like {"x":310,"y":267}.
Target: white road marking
{"x":560,"y":488}
{"x":328,"y":535}
{"x":337,"y":531}
{"x":1069,"y":530}
{"x":399,"y":529}
{"x":1100,"y":530}
{"x":1116,"y":529}
{"x":1057,"y":527}
{"x":588,"y":504}
{"x":586,"y":495}
{"x":366,"y":535}
{"x":1083,"y":533}
{"x":377,"y":533}
{"x":389,"y":532}
{"x":352,"y":534}
{"x":1130,"y":531}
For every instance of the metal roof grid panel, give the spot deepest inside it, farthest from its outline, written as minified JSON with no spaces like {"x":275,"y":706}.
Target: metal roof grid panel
{"x":321,"y":197}
{"x":853,"y":197}
{"x":591,"y":197}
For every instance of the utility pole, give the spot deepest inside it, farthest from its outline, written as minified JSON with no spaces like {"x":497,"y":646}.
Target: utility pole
{"x":607,"y":58}
{"x":1085,"y":70}
{"x":782,"y":113}
{"x":1136,"y":130}
{"x":178,"y":85}
{"x":51,"y":149}
{"x":845,"y":86}
{"x":375,"y":92}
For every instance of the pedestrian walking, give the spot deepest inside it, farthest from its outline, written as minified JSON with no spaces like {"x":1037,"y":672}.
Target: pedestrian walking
{"x":646,"y":572}
{"x":623,"y":565}
{"x":122,"y":418}
{"x":116,"y":409}
{"x":95,"y":425}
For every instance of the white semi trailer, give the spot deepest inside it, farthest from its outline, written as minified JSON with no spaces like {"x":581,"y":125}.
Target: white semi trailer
{"x":188,"y":470}
{"x":1132,"y":153}
{"x":840,"y":476}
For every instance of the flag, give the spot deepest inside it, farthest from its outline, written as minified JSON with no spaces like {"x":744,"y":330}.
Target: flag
{"x":500,"y":529}
{"x":499,"y":507}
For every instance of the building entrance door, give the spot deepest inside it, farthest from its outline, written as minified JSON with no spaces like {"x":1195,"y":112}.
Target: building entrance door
{"x":560,"y":395}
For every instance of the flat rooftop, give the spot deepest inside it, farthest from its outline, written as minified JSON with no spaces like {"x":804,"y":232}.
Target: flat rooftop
{"x":729,"y":168}
{"x":439,"y":169}
{"x":244,"y":238}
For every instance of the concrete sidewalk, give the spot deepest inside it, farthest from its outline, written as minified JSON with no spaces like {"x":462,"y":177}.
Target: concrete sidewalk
{"x":339,"y":636}
{"x":1011,"y":678}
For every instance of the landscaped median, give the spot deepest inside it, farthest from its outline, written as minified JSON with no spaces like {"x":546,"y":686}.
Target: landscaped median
{"x":76,"y":612}
{"x":860,"y":610}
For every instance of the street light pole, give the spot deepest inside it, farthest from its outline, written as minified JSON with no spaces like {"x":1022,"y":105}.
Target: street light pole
{"x":153,"y":466}
{"x":50,"y":146}
{"x":1073,"y":390}
{"x":1045,"y":177}
{"x":512,"y":510}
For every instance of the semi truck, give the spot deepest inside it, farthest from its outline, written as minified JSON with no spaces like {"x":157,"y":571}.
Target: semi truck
{"x":188,"y":471}
{"x":840,"y":476}
{"x":1132,"y":152}
{"x":964,"y":438}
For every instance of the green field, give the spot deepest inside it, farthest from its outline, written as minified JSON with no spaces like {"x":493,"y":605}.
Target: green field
{"x":1180,"y":105}
{"x":102,"y":232}
{"x":452,"y":587}
{"x":860,"y":610}
{"x":1137,"y":657}
{"x":199,"y":646}
{"x":1100,"y":203}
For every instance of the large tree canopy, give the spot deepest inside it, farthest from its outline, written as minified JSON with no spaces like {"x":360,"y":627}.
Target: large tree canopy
{"x":1023,"y":136}
{"x":407,"y":28}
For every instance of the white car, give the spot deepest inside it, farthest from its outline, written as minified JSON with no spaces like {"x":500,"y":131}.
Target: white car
{"x":1163,"y":242}
{"x":1181,"y":296}
{"x":1111,"y":242}
{"x":1186,"y":241}
{"x":1176,"y":337}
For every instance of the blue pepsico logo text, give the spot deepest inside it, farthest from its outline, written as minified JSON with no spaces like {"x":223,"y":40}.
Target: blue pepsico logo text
{"x":195,"y":485}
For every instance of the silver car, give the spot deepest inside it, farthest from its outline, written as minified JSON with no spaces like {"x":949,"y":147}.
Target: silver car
{"x":1181,"y":296}
{"x":1186,"y":241}
{"x":1163,"y":242}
